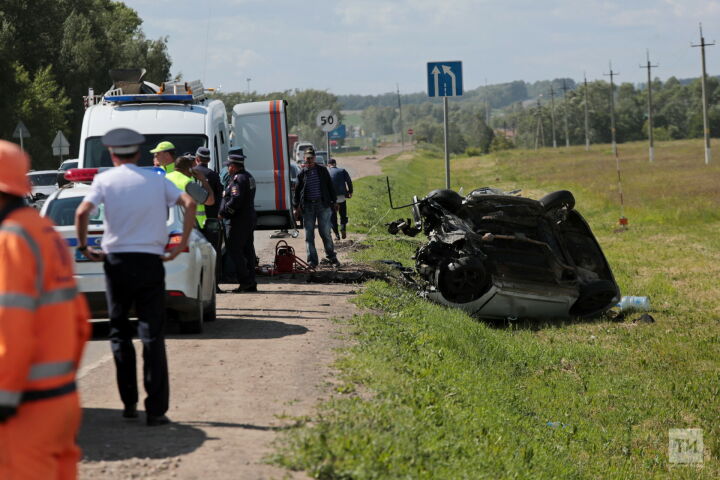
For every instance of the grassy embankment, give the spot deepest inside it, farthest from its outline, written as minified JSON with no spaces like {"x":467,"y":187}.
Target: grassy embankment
{"x":445,"y":396}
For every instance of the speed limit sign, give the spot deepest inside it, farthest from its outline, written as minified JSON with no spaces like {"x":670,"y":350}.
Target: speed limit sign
{"x":326,"y":120}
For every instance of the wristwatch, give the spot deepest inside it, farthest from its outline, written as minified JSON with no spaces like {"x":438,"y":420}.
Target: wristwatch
{"x":82,"y":249}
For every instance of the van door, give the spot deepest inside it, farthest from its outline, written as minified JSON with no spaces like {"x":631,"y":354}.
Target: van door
{"x":260,"y":128}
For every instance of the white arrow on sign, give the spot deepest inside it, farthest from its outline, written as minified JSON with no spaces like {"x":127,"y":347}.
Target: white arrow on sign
{"x":435,"y":72}
{"x":453,"y":81}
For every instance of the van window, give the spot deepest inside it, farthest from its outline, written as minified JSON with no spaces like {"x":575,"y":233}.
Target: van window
{"x":96,"y":154}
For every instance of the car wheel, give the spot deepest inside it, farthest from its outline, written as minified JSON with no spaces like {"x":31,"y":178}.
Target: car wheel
{"x":463,"y":280}
{"x":594,"y":298}
{"x":192,"y":321}
{"x":559,"y":199}
{"x":210,"y":313}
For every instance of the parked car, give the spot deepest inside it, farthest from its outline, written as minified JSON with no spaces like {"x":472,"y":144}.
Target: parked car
{"x":321,"y":157}
{"x":299,"y":152}
{"x":498,"y":255}
{"x":43,"y":181}
{"x":189,"y":278}
{"x":68,"y":164}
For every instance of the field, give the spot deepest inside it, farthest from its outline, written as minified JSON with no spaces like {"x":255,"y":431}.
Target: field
{"x":432,"y":393}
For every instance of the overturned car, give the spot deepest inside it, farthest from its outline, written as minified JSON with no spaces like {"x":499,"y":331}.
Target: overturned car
{"x":498,"y":255}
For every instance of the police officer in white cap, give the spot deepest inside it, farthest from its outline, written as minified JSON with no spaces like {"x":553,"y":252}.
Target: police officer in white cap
{"x":136,"y":200}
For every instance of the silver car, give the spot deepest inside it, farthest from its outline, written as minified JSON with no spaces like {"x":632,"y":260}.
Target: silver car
{"x":498,"y":255}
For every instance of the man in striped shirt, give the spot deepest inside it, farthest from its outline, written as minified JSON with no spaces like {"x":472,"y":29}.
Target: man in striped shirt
{"x":315,"y":199}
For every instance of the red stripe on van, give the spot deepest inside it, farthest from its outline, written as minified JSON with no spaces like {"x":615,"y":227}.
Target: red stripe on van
{"x":278,"y":156}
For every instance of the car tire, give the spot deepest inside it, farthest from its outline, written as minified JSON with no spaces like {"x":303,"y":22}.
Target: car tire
{"x":595,"y":297}
{"x":463,"y":280}
{"x":192,"y":321}
{"x":559,"y":199}
{"x":210,"y":314}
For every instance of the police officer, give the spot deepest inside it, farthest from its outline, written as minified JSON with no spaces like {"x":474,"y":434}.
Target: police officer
{"x":215,"y":237}
{"x":136,"y":202}
{"x":43,"y":329}
{"x":238,"y":206}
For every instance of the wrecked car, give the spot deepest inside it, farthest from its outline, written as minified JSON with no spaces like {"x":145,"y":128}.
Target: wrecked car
{"x":498,"y":255}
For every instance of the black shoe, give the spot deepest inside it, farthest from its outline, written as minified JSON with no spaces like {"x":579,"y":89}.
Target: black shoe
{"x":130,"y":411}
{"x":246,"y":288}
{"x":153,"y":421}
{"x":344,"y":234}
{"x":337,"y":237}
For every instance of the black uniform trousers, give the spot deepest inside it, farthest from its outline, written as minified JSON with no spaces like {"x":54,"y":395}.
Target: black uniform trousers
{"x":138,"y":279}
{"x":342,"y":207}
{"x":241,"y":247}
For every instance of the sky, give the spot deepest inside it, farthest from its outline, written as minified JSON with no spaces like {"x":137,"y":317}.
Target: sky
{"x":371,"y":46}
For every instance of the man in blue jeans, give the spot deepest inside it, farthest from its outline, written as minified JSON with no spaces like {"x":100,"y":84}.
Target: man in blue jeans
{"x":315,"y":199}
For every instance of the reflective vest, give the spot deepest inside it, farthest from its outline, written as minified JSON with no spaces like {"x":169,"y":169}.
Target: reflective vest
{"x":170,"y":167}
{"x":43,"y":319}
{"x":181,"y":181}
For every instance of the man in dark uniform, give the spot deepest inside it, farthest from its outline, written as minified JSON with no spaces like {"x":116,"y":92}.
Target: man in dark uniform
{"x":238,"y":206}
{"x":214,"y":236}
{"x":133,"y":249}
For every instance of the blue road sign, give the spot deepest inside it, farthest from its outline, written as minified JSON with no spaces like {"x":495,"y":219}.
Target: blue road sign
{"x":444,"y":79}
{"x":338,"y":133}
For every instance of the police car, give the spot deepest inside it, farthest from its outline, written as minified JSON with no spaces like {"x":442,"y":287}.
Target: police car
{"x":189,"y":278}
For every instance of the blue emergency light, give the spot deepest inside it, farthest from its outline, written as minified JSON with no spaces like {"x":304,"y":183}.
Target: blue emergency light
{"x":150,"y":97}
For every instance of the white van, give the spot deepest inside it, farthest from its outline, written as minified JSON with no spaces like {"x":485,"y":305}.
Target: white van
{"x":260,"y":128}
{"x":179,"y":113}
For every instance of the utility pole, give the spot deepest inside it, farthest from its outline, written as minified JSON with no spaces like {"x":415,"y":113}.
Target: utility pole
{"x":612,"y":107}
{"x":402,"y":132}
{"x":706,"y":125}
{"x":565,"y":109}
{"x":552,"y":114}
{"x":487,"y":106}
{"x":539,"y":132}
{"x":649,"y":67}
{"x":248,"y":85}
{"x":587,"y":117}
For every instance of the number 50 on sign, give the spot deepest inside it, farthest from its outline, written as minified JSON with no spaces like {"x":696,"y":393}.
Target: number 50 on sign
{"x":326,"y":120}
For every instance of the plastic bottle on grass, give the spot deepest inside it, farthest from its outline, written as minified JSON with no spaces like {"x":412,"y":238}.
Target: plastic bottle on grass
{"x":629,"y":303}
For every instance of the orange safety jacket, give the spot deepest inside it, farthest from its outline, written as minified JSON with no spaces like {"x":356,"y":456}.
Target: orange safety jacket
{"x":43,"y":319}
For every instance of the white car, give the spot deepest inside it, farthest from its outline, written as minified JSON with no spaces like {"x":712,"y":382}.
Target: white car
{"x":43,"y":181}
{"x":189,"y":278}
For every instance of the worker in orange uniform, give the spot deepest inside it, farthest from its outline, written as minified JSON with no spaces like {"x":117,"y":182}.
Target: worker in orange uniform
{"x":43,"y":329}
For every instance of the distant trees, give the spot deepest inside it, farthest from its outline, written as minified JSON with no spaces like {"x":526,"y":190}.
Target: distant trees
{"x":52,"y":51}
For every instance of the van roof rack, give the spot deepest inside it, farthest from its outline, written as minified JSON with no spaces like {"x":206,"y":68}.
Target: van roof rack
{"x":169,"y":92}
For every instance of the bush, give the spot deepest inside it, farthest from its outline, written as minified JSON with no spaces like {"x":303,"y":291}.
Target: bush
{"x":501,"y":142}
{"x":473,"y":151}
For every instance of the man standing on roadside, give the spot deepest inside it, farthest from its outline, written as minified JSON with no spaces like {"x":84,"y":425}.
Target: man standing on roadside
{"x":315,"y":199}
{"x":136,"y":202}
{"x":43,"y":330}
{"x":164,"y":156}
{"x":344,"y":190}
{"x":202,"y":158}
{"x":238,"y":206}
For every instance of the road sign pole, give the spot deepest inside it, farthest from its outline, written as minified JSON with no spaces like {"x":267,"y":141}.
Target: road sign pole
{"x":327,"y":139}
{"x":447,"y":151}
{"x":22,"y":146}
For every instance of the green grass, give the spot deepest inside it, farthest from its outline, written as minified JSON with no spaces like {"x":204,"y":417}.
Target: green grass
{"x":432,"y":393}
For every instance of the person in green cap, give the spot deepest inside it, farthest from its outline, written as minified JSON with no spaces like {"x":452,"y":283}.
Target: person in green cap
{"x":164,"y":156}
{"x":183,"y":174}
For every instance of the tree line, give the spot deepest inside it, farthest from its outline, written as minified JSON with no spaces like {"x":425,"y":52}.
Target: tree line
{"x":52,"y":51}
{"x":677,"y":114}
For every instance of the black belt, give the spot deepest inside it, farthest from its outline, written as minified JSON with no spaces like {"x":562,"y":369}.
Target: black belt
{"x":314,"y":201}
{"x":33,"y":395}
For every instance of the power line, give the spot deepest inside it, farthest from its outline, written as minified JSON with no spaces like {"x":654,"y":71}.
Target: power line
{"x":612,"y":107}
{"x":649,"y":67}
{"x":706,"y":127}
{"x":402,"y":132}
{"x":587,"y":116}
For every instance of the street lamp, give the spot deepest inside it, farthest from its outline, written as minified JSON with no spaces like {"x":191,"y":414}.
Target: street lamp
{"x":248,"y":85}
